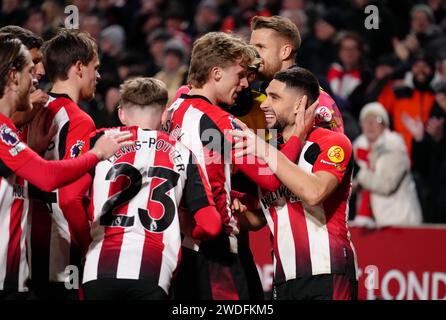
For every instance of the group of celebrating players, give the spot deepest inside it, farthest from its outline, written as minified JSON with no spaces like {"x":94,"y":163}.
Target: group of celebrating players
{"x":160,"y":208}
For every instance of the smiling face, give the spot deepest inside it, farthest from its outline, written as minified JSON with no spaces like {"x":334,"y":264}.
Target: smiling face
{"x":230,"y":81}
{"x":279,"y":105}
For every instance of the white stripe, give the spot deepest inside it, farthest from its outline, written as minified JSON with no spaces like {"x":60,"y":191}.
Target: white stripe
{"x":191,"y":137}
{"x":132,"y":248}
{"x":24,"y":267}
{"x":5,"y":219}
{"x":59,"y":245}
{"x":101,"y":189}
{"x":318,"y":239}
{"x":192,"y":140}
{"x":285,"y":242}
{"x":60,"y":240}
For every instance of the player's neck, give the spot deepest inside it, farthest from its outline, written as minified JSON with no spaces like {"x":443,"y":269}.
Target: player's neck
{"x":205,"y":91}
{"x":287,"y":64}
{"x":7,"y":105}
{"x":287,"y":133}
{"x":65,"y":87}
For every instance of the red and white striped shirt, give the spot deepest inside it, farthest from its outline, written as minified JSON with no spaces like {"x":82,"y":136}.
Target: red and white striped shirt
{"x":313,"y":240}
{"x":14,"y":154}
{"x":135,"y":200}
{"x":201,"y":126}
{"x":60,"y":226}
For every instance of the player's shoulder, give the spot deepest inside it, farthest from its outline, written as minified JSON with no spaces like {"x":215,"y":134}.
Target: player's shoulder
{"x":324,"y":135}
{"x":73,"y":110}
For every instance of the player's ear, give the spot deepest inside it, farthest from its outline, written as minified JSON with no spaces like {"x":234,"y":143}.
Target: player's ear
{"x":216,"y":73}
{"x":14,"y":76}
{"x":78,"y":68}
{"x":286,"y":51}
{"x":121,"y":116}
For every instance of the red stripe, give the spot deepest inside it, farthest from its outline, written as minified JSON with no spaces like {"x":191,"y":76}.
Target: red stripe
{"x":342,"y":288}
{"x":300,"y":237}
{"x":15,"y":232}
{"x":113,"y":236}
{"x":279,"y":274}
{"x":153,"y":245}
{"x":222,"y":282}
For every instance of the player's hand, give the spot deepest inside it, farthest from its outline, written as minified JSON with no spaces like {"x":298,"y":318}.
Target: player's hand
{"x":39,"y":98}
{"x":247,"y":142}
{"x":304,"y":118}
{"x":38,"y":137}
{"x":111,"y":142}
{"x":237,"y":207}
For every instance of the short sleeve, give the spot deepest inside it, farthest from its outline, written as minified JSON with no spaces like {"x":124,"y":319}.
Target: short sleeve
{"x":335,"y":155}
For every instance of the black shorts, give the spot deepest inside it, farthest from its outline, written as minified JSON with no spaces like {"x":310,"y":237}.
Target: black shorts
{"x":318,"y":287}
{"x":122,"y":289}
{"x":52,"y":291}
{"x":201,"y":277}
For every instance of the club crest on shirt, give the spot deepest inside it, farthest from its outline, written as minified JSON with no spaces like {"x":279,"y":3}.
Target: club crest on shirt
{"x":76,"y":149}
{"x":8,"y":136}
{"x":336,"y":154}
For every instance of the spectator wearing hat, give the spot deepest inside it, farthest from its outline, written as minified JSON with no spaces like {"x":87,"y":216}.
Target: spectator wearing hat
{"x":174,"y":71}
{"x":388,"y":196}
{"x":424,"y":34}
{"x":411,"y":98}
{"x":429,"y":158}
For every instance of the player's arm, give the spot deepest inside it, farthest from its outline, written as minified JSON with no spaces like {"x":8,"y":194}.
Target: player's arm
{"x":198,"y":199}
{"x":312,"y":187}
{"x":50,"y":175}
{"x":252,"y":220}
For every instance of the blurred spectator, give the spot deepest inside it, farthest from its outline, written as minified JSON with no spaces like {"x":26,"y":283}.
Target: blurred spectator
{"x":35,"y":21}
{"x":411,"y":99}
{"x":239,"y":20}
{"x":207,"y":18}
{"x":318,"y":50}
{"x":12,"y":13}
{"x":350,"y":76}
{"x":174,"y":71}
{"x":156,"y":42}
{"x":112,"y":41}
{"x":424,"y":34}
{"x":429,"y":159}
{"x":388,"y":196}
{"x":54,"y":17}
{"x":92,"y":25}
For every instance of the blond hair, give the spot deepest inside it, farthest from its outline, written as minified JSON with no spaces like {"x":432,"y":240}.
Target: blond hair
{"x":217,"y":49}
{"x":143,"y":92}
{"x":282,"y":25}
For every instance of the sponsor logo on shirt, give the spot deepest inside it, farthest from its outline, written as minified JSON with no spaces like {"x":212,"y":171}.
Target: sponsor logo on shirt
{"x":8,"y":136}
{"x":278,"y":197}
{"x":336,"y":154}
{"x":76,"y":149}
{"x":17,"y":149}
